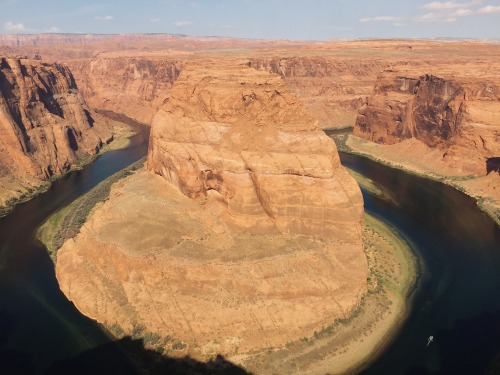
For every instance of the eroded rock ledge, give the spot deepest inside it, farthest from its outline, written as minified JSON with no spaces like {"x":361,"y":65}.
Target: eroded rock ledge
{"x":246,"y":233}
{"x":239,"y":136}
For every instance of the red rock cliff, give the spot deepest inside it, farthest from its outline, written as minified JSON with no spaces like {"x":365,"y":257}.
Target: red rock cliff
{"x":45,"y":125}
{"x":454,"y":115}
{"x":428,"y":108}
{"x":136,"y":87}
{"x":332,"y":88}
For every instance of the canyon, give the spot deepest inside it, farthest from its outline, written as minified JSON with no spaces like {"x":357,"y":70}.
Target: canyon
{"x":454,"y":115}
{"x":243,"y":233}
{"x":45,"y":126}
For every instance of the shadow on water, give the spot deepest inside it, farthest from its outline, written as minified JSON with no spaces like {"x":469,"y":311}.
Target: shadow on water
{"x":108,"y":358}
{"x":143,"y":361}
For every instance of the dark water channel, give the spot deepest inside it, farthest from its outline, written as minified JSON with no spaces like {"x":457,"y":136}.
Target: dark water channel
{"x":38,"y":325}
{"x":458,"y":301}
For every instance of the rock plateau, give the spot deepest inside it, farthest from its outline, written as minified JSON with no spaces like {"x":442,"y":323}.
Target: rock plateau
{"x":244,"y":234}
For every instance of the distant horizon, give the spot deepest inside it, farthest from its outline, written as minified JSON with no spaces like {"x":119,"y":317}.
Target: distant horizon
{"x":293,"y":20}
{"x":439,"y":38}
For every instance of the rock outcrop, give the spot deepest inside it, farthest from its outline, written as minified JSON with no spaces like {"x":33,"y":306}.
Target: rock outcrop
{"x":245,"y":234}
{"x":45,"y":125}
{"x":427,"y":108}
{"x":243,"y":138}
{"x":452,"y":117}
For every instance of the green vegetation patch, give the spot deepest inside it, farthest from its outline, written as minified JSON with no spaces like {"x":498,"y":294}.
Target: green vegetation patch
{"x":66,"y":223}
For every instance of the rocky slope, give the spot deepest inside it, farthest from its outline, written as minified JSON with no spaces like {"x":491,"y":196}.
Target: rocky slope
{"x":136,"y":87}
{"x":204,"y":141}
{"x":45,"y":125}
{"x":245,"y":234}
{"x":453,"y":117}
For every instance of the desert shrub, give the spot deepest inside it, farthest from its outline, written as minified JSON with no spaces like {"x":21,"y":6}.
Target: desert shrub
{"x":151,"y":338}
{"x":178,"y":345}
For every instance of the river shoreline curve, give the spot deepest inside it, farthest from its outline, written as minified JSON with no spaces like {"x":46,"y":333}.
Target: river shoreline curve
{"x":486,"y":202}
{"x":123,"y":131}
{"x":351,"y":345}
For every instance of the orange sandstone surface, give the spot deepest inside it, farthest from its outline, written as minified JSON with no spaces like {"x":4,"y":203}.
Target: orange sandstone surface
{"x":244,"y":234}
{"x":45,"y":125}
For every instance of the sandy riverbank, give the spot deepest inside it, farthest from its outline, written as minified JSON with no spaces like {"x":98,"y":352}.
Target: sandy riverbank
{"x":349,"y":344}
{"x":414,"y":157}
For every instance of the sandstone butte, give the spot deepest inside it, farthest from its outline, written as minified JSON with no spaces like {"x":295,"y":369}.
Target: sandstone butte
{"x":244,"y":233}
{"x":45,"y":125}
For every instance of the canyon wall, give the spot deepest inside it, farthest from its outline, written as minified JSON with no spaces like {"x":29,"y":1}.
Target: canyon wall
{"x":45,"y":125}
{"x":428,"y":108}
{"x":454,"y":117}
{"x":332,"y":88}
{"x":136,"y":87}
{"x":245,"y":233}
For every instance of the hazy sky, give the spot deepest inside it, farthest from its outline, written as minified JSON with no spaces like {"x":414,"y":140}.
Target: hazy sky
{"x":266,"y":19}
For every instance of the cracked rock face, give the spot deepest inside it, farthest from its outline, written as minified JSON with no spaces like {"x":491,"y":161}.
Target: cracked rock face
{"x":135,"y":87}
{"x":455,"y":118}
{"x":240,"y":137}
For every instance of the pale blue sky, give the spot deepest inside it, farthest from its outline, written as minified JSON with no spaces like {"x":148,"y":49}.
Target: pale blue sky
{"x":264,"y":19}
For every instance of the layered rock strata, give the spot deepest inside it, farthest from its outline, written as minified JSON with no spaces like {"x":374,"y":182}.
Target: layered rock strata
{"x":451,"y":118}
{"x":45,"y":125}
{"x":245,"y":140}
{"x":332,"y":88}
{"x":427,"y":108}
{"x":245,"y":234}
{"x":136,"y":87}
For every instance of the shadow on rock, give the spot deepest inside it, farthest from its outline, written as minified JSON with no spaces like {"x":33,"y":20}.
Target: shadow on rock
{"x":128,"y":356}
